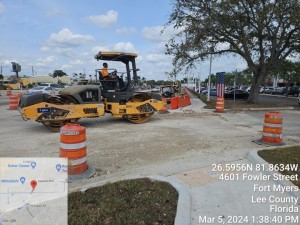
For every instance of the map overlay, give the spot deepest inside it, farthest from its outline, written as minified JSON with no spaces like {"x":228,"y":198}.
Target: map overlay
{"x":33,"y":191}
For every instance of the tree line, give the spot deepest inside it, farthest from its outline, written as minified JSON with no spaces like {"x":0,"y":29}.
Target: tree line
{"x":264,"y":33}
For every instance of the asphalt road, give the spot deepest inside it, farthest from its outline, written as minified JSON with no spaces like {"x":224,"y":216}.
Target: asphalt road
{"x":265,"y":98}
{"x":290,"y":121}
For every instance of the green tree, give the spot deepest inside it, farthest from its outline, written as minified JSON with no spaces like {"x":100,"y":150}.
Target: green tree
{"x":264,"y":33}
{"x":59,"y":73}
{"x":1,"y":78}
{"x":290,"y":72}
{"x":243,"y":78}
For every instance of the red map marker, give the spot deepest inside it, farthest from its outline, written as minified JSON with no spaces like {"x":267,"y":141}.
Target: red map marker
{"x":33,"y":184}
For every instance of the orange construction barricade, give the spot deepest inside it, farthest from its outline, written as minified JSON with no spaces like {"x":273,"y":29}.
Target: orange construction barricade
{"x":174,"y":103}
{"x":187,"y":100}
{"x":180,"y":101}
{"x":73,"y":147}
{"x":220,"y":104}
{"x":13,"y":102}
{"x":272,"y":129}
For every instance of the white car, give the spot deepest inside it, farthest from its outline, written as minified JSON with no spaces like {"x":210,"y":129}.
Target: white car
{"x":41,"y":89}
{"x":56,"y":86}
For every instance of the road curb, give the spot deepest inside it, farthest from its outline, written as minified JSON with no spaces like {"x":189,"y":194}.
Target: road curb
{"x":184,"y":205}
{"x":262,"y":109}
{"x":254,"y":158}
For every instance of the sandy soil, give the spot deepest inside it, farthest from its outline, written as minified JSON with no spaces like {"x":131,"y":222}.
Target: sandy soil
{"x":167,"y":144}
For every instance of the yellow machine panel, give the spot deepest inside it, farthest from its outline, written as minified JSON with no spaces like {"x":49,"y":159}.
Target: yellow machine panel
{"x":51,"y":112}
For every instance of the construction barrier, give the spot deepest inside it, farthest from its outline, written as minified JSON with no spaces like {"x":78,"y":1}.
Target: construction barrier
{"x":73,"y":146}
{"x":8,"y":91}
{"x":187,"y":100}
{"x":220,"y":104}
{"x":180,"y":101}
{"x":272,"y":129}
{"x":13,"y":102}
{"x":177,"y":101}
{"x":174,"y":103}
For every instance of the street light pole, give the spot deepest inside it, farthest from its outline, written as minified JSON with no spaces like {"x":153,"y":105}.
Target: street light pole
{"x":208,"y":88}
{"x":199,"y":84}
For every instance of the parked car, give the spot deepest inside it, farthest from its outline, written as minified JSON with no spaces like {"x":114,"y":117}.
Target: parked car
{"x":298,"y":100}
{"x":239,"y":94}
{"x":41,"y":89}
{"x":213,"y":92}
{"x":294,"y":91}
{"x":268,"y":90}
{"x":278,"y":91}
{"x":56,"y":86}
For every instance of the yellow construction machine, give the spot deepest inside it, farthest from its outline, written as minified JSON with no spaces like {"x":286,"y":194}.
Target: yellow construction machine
{"x":115,"y":95}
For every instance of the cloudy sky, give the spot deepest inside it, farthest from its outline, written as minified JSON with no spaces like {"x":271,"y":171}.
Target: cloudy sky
{"x":66,"y":34}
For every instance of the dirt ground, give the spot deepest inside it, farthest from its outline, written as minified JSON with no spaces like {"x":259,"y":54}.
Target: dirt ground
{"x":169,"y":143}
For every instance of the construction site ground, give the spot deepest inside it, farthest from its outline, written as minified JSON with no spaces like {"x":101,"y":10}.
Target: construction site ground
{"x":183,"y":140}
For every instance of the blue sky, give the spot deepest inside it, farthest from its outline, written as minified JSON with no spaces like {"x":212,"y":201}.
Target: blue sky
{"x":66,"y":34}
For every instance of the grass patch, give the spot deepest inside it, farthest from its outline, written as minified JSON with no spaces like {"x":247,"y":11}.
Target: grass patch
{"x":134,"y":202}
{"x":288,"y":155}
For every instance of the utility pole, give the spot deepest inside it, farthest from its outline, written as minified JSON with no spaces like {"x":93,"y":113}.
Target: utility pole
{"x":199,"y":80}
{"x":234,"y":84}
{"x":208,"y":88}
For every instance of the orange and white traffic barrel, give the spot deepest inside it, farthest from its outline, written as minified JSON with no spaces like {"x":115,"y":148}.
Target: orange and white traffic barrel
{"x":272,"y":129}
{"x":13,"y":102}
{"x":8,"y":91}
{"x":73,"y":146}
{"x":220,"y":104}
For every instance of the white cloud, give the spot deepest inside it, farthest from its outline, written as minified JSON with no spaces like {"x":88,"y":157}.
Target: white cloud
{"x":1,"y":8}
{"x":117,"y":47}
{"x":63,"y":41}
{"x":155,"y":33}
{"x":46,"y":61}
{"x":65,"y":37}
{"x":157,"y":58}
{"x":54,"y":12}
{"x":126,"y":30}
{"x":124,"y":47}
{"x":76,"y":62}
{"x":103,"y":21}
{"x":8,"y":62}
{"x":66,"y":66}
